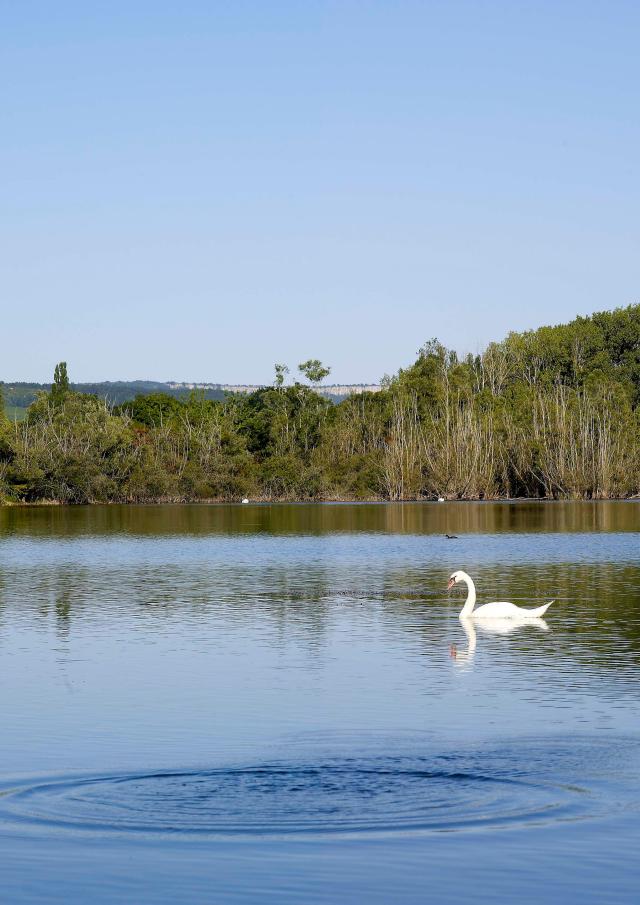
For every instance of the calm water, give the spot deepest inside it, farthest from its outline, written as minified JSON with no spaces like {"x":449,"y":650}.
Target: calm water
{"x":279,"y":704}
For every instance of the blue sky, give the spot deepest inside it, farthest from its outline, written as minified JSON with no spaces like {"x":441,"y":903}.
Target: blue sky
{"x":197,"y":190}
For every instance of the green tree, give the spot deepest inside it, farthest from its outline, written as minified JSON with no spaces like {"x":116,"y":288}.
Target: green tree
{"x":314,"y":370}
{"x":152,"y":409}
{"x":281,"y":372}
{"x":60,"y":386}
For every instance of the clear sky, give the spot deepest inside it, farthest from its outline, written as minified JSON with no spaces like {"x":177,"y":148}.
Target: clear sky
{"x":196,"y":190}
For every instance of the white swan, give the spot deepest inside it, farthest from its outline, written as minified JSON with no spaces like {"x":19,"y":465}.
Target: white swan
{"x":497,"y":610}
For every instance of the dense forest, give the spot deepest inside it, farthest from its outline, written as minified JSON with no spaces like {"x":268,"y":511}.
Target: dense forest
{"x":548,"y":413}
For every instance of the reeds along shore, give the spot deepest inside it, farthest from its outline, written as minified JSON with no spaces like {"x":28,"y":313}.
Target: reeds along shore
{"x":553,"y":413}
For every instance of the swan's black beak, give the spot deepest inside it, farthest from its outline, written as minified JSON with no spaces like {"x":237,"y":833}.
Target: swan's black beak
{"x":450,"y":583}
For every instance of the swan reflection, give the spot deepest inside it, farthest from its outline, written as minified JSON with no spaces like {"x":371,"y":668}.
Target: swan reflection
{"x":490,"y":627}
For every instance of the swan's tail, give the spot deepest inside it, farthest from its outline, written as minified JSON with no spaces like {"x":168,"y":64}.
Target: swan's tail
{"x":541,"y":610}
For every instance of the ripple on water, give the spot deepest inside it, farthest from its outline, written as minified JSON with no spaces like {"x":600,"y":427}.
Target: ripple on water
{"x":343,"y":796}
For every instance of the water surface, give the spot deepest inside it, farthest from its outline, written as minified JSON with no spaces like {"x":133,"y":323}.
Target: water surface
{"x":279,"y":704}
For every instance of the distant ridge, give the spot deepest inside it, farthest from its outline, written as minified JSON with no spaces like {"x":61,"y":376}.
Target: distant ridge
{"x":18,"y":396}
{"x":331,"y":389}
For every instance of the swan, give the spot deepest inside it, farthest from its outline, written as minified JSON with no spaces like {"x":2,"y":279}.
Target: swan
{"x":497,"y":610}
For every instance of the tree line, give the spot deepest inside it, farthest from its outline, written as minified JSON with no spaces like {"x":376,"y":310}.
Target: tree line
{"x":549,"y":413}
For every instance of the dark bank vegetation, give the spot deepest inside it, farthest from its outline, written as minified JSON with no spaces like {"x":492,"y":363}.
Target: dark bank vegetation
{"x":548,"y":413}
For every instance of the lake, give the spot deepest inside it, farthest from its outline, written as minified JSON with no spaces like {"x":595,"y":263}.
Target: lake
{"x":279,"y":704}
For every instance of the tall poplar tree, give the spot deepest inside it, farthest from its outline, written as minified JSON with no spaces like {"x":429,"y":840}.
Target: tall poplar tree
{"x":60,"y":386}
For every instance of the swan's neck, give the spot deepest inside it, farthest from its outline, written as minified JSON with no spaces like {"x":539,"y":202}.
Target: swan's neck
{"x":470,"y":602}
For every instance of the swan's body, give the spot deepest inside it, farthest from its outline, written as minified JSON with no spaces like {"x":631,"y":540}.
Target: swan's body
{"x":502,"y":609}
{"x":496,"y":610}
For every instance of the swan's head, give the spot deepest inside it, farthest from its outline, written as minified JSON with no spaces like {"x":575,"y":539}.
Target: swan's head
{"x":454,"y":579}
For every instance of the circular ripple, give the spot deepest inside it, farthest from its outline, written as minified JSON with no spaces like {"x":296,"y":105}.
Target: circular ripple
{"x":384,"y":795}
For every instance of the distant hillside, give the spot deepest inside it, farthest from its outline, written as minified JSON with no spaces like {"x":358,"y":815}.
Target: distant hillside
{"x":23,"y":394}
{"x":18,"y":396}
{"x":333,"y":391}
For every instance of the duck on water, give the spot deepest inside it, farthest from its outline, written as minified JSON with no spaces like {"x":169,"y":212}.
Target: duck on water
{"x":496,"y":610}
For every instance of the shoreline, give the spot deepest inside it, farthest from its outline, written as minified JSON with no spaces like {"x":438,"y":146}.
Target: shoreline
{"x":268,"y":501}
